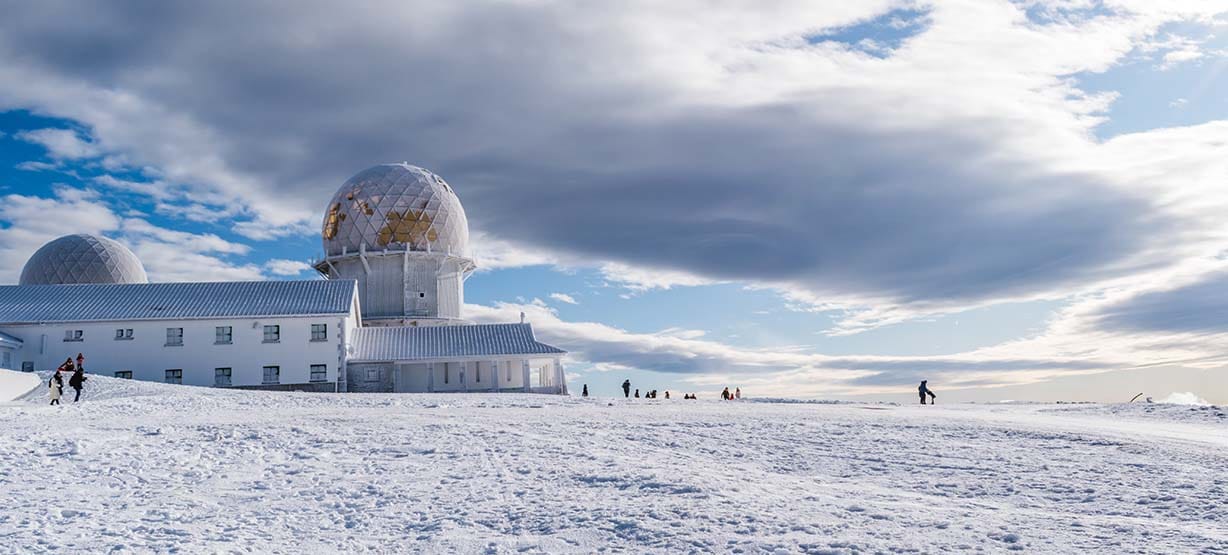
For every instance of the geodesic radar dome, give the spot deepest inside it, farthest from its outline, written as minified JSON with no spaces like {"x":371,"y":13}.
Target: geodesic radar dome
{"x":82,"y":259}
{"x":395,"y":207}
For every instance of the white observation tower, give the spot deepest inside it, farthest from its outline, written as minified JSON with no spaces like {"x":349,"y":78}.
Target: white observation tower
{"x":401,"y":233}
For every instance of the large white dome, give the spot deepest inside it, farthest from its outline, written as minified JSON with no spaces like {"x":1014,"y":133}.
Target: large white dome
{"x":395,"y":207}
{"x":83,"y":259}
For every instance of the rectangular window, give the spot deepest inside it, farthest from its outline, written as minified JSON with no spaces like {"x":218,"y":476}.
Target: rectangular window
{"x":27,"y":366}
{"x":221,"y":377}
{"x":373,"y":374}
{"x":319,"y":372}
{"x":174,"y":337}
{"x":509,"y":371}
{"x":125,"y":374}
{"x":477,"y":372}
{"x":319,"y":332}
{"x":174,"y":376}
{"x":74,"y":335}
{"x":272,"y":334}
{"x":447,"y":373}
{"x":222,"y":335}
{"x":272,"y":374}
{"x":123,"y":334}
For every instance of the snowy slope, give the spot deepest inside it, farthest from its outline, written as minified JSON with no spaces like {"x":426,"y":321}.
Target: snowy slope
{"x":15,"y":384}
{"x":142,"y":467}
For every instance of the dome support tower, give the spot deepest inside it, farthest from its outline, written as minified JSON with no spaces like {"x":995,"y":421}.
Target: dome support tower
{"x":400,"y":231}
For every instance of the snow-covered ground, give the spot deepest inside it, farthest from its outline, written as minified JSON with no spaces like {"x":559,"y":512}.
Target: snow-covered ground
{"x":141,"y":467}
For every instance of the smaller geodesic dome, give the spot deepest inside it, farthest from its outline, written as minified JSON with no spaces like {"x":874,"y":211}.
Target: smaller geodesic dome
{"x":83,"y":259}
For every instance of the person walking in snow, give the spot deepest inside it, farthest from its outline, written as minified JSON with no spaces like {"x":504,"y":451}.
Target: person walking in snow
{"x":80,"y":362}
{"x":585,"y":393}
{"x":667,"y":394}
{"x":737,"y":393}
{"x":924,"y":390}
{"x":725,"y":394}
{"x":56,"y":387}
{"x":627,"y":388}
{"x":77,"y":381}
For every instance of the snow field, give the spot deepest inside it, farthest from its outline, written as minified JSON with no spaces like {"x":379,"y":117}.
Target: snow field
{"x":143,"y":467}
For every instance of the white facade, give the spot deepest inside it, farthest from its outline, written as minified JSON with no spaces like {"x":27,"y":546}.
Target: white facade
{"x":146,"y":352}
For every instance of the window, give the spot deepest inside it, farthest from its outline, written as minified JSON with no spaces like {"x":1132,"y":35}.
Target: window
{"x":221,"y":377}
{"x":477,"y":372}
{"x":272,"y":334}
{"x":319,"y":372}
{"x":421,"y":295}
{"x":447,"y":373}
{"x":222,"y":335}
{"x":123,"y":334}
{"x":174,"y":376}
{"x":509,"y":371}
{"x":272,"y":374}
{"x":27,"y":366}
{"x":125,"y":374}
{"x":319,"y":332}
{"x":74,"y":335}
{"x":174,"y":337}
{"x":373,"y":374}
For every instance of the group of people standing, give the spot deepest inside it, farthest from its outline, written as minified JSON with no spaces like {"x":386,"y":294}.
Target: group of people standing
{"x":55,"y":385}
{"x":652,"y":394}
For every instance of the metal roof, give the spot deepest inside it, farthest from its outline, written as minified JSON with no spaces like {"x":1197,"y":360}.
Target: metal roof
{"x":444,"y":342}
{"x":20,"y":304}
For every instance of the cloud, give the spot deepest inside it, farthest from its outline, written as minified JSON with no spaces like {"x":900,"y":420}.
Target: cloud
{"x":680,"y":140}
{"x":785,"y":371}
{"x":564,"y":298}
{"x":281,"y":267}
{"x":61,"y":144}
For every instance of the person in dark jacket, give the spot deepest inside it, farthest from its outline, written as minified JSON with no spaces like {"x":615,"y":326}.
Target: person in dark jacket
{"x":77,"y":381}
{"x":585,"y":393}
{"x":637,"y":393}
{"x":81,"y":362}
{"x":924,"y":390}
{"x":667,"y":394}
{"x":725,"y":394}
{"x":626,"y":388}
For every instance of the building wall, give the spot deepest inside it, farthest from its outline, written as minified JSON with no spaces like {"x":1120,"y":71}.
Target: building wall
{"x":451,"y":376}
{"x":369,"y":377}
{"x":405,"y":288}
{"x":148,"y":357}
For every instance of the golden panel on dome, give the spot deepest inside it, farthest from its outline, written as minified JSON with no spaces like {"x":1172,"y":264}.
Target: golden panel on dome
{"x":333,"y":221}
{"x":409,"y":228}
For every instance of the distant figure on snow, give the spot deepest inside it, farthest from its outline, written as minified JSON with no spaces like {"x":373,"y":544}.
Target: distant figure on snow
{"x":585,"y":393}
{"x":77,"y":381}
{"x":626,"y":388}
{"x":924,"y":390}
{"x":725,"y":394}
{"x":56,"y":387}
{"x":737,"y":393}
{"x":80,"y":362}
{"x":637,"y":393}
{"x":667,"y":394}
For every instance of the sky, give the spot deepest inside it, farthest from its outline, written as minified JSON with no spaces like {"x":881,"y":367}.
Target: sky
{"x":1013,"y":200}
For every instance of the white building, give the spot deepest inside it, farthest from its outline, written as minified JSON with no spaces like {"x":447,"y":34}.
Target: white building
{"x":387,"y":318}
